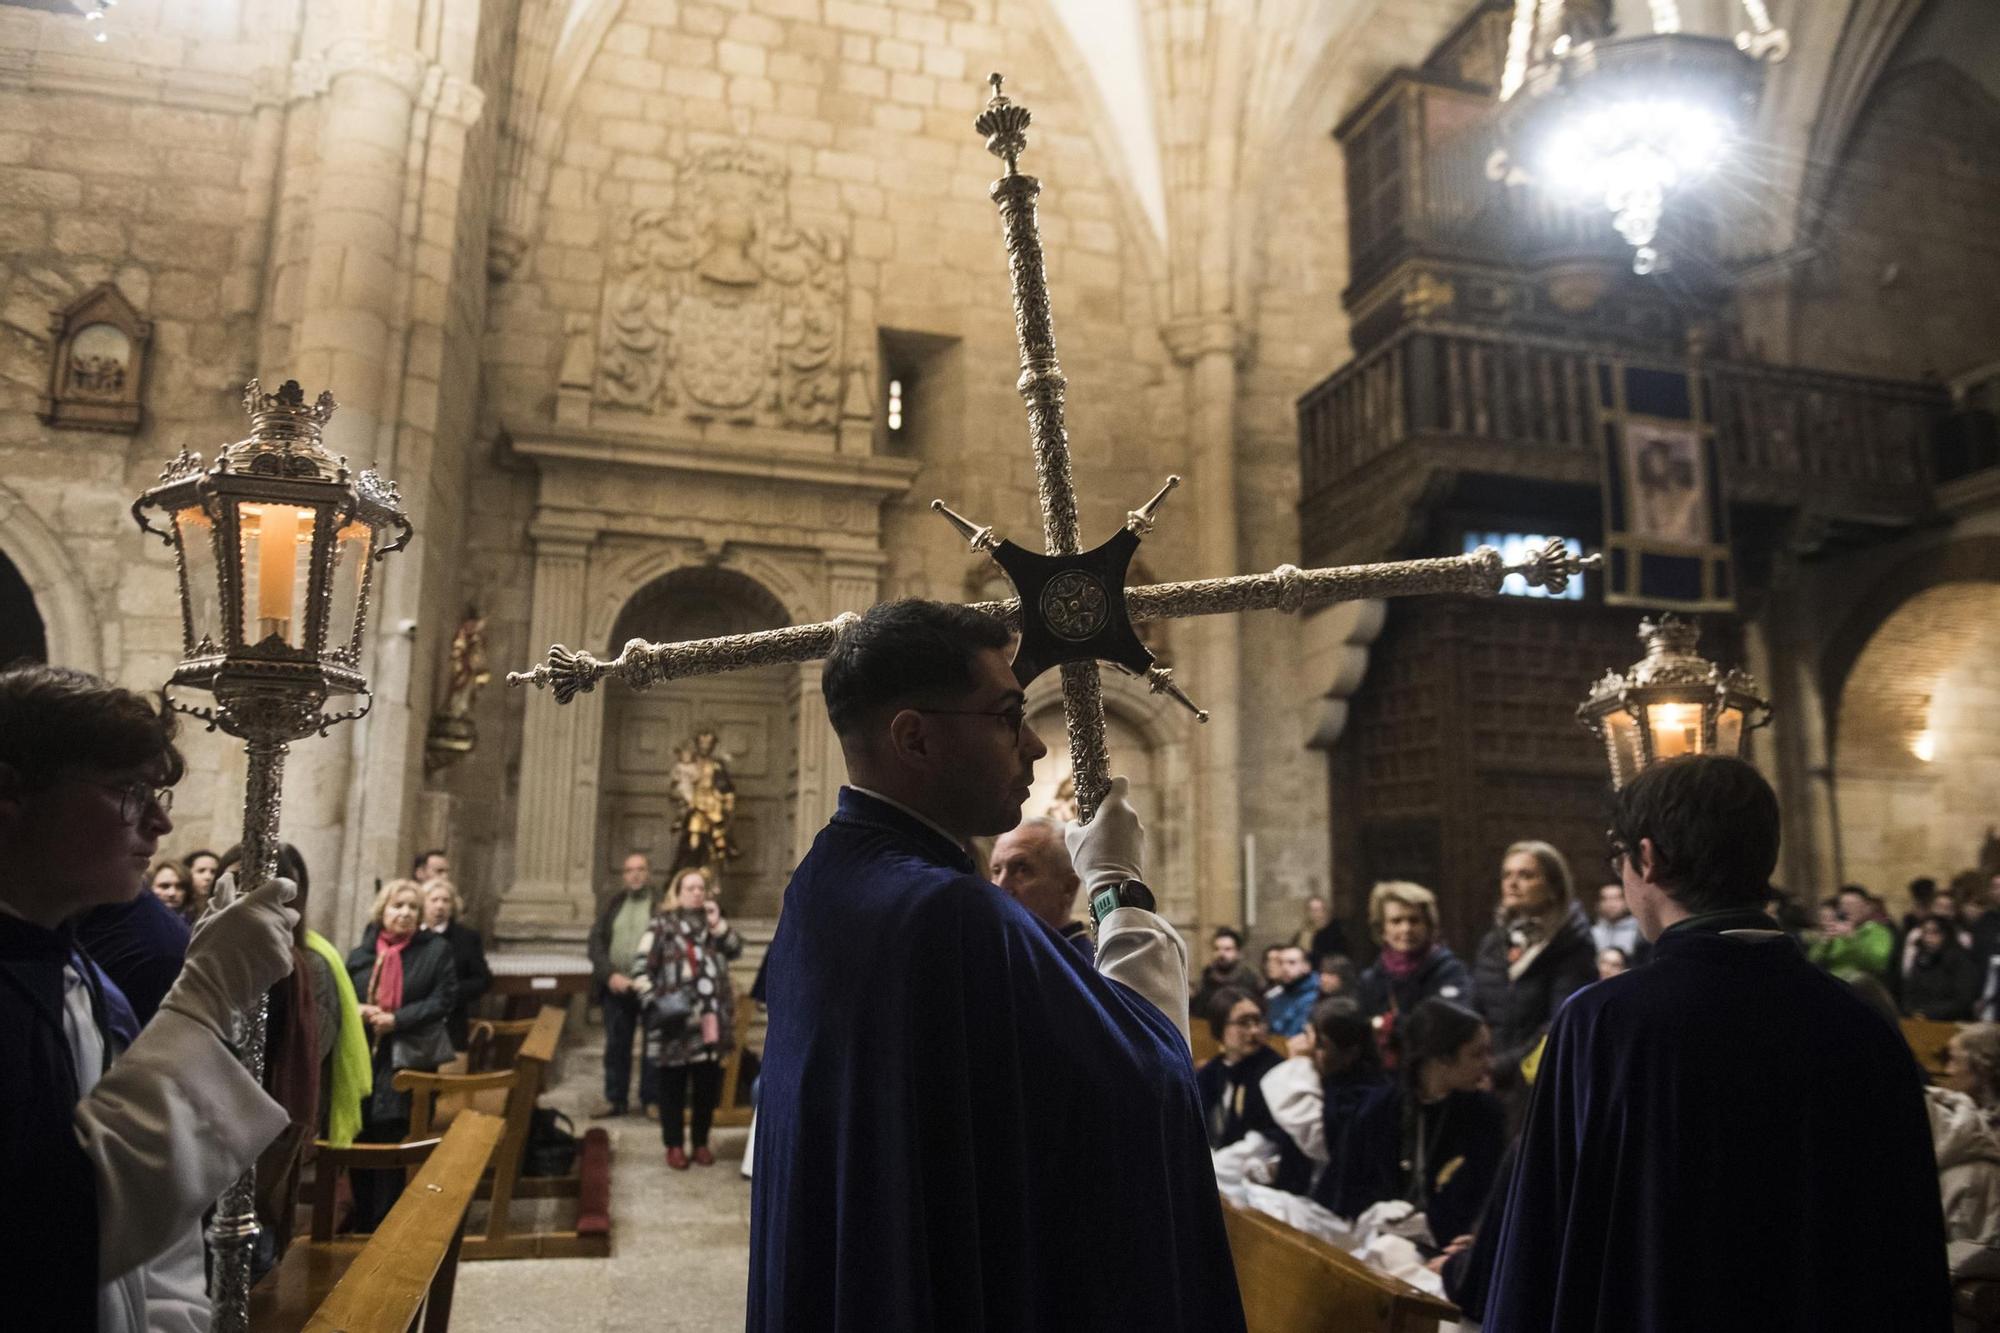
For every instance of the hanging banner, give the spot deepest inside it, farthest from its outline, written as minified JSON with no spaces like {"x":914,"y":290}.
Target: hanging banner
{"x":1666,"y":533}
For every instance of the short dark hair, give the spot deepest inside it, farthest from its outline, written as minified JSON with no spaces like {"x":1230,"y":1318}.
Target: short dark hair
{"x":1227,"y":933}
{"x":1923,"y":888}
{"x":197,"y":854}
{"x":1713,"y":823}
{"x":52,"y":717}
{"x":1339,"y":1025}
{"x":900,"y":651}
{"x":1226,"y":999}
{"x":424,"y":858}
{"x":1435,"y":1030}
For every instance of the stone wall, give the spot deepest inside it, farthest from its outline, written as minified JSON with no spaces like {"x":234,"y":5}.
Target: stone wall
{"x":868,"y":110}
{"x":147,"y":162}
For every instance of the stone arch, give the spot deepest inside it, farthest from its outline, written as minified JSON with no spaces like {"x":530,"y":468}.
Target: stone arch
{"x":1147,"y":733}
{"x":756,"y":713}
{"x":1918,"y":758}
{"x":1969,"y":559}
{"x":68,"y":612}
{"x":621,"y":581}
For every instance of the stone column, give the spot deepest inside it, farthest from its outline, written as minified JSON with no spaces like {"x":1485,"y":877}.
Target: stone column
{"x":344,"y":340}
{"x":854,"y":583}
{"x":551,"y":896}
{"x":1206,"y":347}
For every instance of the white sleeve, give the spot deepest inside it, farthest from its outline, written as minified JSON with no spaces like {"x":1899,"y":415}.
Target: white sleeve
{"x":174,"y":1120}
{"x":1292,"y":1092}
{"x":177,"y":1287}
{"x":1139,"y":949}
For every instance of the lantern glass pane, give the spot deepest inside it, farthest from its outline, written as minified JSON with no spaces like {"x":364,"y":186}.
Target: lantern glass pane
{"x":1677,"y":729}
{"x":1621,"y":729}
{"x":347,"y":582}
{"x":1729,"y":731}
{"x":277,"y":570}
{"x":201,"y":591}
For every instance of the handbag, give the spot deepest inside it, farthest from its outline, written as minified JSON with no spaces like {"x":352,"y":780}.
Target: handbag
{"x":551,"y":1146}
{"x":668,"y":1011}
{"x":426,"y":1048}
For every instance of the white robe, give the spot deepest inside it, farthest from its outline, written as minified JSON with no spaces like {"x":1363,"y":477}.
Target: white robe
{"x":174,"y":1120}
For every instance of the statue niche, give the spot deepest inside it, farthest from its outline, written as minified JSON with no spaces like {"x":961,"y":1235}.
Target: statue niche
{"x":718,"y":309}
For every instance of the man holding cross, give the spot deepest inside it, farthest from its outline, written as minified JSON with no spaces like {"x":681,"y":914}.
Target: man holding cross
{"x":963,"y":1124}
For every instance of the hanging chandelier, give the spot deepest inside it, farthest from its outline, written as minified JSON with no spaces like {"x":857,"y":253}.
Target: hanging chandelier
{"x":1629,"y":121}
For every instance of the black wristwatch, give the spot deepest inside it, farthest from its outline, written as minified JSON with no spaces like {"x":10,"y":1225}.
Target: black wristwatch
{"x":1125,"y":893}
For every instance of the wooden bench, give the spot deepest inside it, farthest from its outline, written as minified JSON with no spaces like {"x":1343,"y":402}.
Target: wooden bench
{"x":435,"y":1099}
{"x":402,"y":1277}
{"x":1296,"y":1283}
{"x":1928,"y":1038}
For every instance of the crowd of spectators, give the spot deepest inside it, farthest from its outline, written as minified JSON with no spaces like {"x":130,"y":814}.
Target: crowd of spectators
{"x":1406,"y":1079}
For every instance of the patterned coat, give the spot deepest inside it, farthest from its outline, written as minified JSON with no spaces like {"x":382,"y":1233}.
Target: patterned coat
{"x":679,"y":952}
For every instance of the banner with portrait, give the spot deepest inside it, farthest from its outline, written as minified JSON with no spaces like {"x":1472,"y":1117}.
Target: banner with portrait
{"x":1666,"y":533}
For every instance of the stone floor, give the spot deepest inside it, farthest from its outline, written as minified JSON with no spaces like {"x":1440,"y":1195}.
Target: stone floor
{"x":680,"y":1240}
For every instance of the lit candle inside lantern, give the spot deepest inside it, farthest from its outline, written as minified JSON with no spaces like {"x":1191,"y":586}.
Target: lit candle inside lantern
{"x":1676,"y":730}
{"x":277,"y":558}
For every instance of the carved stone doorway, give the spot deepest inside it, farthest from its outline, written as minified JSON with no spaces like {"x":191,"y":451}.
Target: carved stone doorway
{"x":23,"y":637}
{"x":753,"y":713}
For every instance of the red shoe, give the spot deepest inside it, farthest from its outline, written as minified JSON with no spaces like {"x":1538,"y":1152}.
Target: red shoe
{"x":703,"y":1157}
{"x":677,"y":1159}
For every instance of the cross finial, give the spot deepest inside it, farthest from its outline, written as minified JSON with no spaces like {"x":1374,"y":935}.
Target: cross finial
{"x":1005,"y":125}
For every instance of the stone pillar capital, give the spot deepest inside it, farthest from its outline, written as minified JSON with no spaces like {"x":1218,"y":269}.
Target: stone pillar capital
{"x":398,"y":66}
{"x":555,"y":539}
{"x":1191,"y":337}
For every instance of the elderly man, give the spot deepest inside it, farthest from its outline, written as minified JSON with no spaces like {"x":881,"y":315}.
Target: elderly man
{"x":623,"y":918}
{"x":1031,"y":865}
{"x":1726,"y":1138}
{"x":963,"y":1124}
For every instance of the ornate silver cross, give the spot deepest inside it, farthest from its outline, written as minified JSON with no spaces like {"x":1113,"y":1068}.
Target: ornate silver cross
{"x":1073,"y":608}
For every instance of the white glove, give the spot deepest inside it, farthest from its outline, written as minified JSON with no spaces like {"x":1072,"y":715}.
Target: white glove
{"x":236,"y":955}
{"x":1105,"y":851}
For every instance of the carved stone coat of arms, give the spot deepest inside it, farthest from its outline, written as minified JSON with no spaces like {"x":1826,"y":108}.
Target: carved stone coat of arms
{"x":717,"y":308}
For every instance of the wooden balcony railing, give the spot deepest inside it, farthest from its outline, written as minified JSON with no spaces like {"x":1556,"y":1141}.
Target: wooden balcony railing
{"x":1855,"y":447}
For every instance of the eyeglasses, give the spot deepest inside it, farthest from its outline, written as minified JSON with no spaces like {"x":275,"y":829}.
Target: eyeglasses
{"x":134,"y":797}
{"x":1618,"y":852}
{"x":1254,"y":1022}
{"x":1014,"y":715}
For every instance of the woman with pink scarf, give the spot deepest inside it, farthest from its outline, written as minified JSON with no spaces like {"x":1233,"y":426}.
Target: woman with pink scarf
{"x":1412,"y":966}
{"x":407,"y":984}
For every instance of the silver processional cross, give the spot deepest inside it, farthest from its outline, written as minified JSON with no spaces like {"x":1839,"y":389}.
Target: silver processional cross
{"x":1072,"y":608}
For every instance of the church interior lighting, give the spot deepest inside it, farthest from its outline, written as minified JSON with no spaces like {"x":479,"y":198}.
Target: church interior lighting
{"x":1631,"y":121}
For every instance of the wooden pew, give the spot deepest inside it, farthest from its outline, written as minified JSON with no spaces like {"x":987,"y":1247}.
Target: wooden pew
{"x":436,"y":1098}
{"x":1296,"y":1283}
{"x":1928,"y":1038}
{"x":405,"y":1272}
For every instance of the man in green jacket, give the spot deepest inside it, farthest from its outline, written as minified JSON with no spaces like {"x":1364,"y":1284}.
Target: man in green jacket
{"x":1860,"y":943}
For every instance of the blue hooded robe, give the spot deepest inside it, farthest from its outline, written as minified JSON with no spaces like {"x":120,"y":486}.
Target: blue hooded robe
{"x":962,"y":1126}
{"x":1726,"y":1138}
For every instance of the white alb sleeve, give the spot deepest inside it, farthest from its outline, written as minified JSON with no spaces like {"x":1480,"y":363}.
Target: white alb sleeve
{"x":1292,"y":1091}
{"x":174,"y":1120}
{"x":1139,"y":949}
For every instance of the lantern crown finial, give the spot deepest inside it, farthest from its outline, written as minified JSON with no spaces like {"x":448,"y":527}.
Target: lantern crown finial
{"x":285,"y":435}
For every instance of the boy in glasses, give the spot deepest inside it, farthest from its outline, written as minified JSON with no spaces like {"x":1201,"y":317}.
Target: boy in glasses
{"x":113,"y":1140}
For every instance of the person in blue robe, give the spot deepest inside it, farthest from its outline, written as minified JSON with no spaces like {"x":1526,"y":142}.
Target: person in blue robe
{"x":963,"y":1125}
{"x":1726,"y":1138}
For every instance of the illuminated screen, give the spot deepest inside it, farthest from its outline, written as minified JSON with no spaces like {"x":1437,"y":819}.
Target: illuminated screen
{"x":1515,"y":547}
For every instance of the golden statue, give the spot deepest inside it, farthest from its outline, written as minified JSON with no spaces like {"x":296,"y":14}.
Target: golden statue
{"x":707,"y":798}
{"x":452,"y":732}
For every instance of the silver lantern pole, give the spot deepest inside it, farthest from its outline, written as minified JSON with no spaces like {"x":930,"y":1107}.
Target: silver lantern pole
{"x":275,"y":545}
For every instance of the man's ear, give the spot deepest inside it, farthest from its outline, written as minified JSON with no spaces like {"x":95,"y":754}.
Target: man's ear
{"x":1646,"y":861}
{"x":909,"y":736}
